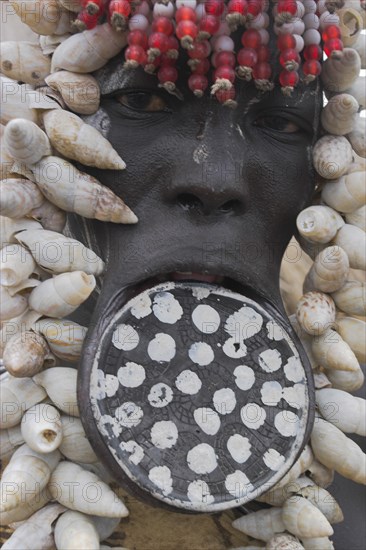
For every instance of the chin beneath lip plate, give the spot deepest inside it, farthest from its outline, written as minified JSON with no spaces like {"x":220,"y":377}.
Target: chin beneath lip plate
{"x":199,"y":397}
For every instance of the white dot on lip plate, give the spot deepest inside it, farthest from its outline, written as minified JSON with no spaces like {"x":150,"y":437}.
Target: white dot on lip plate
{"x":294,"y":370}
{"x":234,"y":348}
{"x":239,"y":448}
{"x":129,"y":414}
{"x":132,"y":375}
{"x":166,"y":308}
{"x":244,"y":377}
{"x":125,"y":337}
{"x":270,"y":360}
{"x":208,"y":420}
{"x":206,"y":319}
{"x":164,"y":434}
{"x":238,"y":485}
{"x":274,"y":331}
{"x":188,"y":382}
{"x":161,"y":347}
{"x":273,"y":459}
{"x":271,"y":393}
{"x":201,"y":459}
{"x":199,"y":492}
{"x":287,"y":423}
{"x":141,"y":306}
{"x":253,"y":416}
{"x":224,"y":400}
{"x":201,"y":354}
{"x":160,"y":395}
{"x":161,"y":477}
{"x":244,"y":323}
{"x":135,"y":451}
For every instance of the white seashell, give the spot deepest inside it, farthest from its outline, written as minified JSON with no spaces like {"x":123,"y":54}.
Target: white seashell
{"x":331,"y":156}
{"x":315,"y":312}
{"x":358,"y":218}
{"x":302,"y":518}
{"x":10,"y":439}
{"x":108,"y":504}
{"x":353,"y":331}
{"x":75,"y":530}
{"x":50,"y":42}
{"x":24,"y":61}
{"x":318,"y":543}
{"x":65,"y":338}
{"x":25,"y":509}
{"x":351,"y":298}
{"x":358,"y":89}
{"x":321,"y":380}
{"x":333,"y":353}
{"x":79,"y":141}
{"x":284,"y":541}
{"x":11,"y":306}
{"x":320,"y":474}
{"x":71,"y":5}
{"x":16,"y":264}
{"x":329,"y":271}
{"x":360,"y":47}
{"x":37,"y":531}
{"x":25,"y":354}
{"x":42,"y":16}
{"x":300,"y":466}
{"x":16,"y":326}
{"x":347,"y":194}
{"x":80,"y":92}
{"x":346,"y":380}
{"x":10,"y":227}
{"x":18,"y":395}
{"x":50,"y":216}
{"x":18,"y":197}
{"x":343,"y":410}
{"x":353,"y":241}
{"x":60,"y":385}
{"x":26,"y":475}
{"x":339,"y":116}
{"x":75,"y":445}
{"x":350,"y":25}
{"x":319,"y":223}
{"x":75,"y":191}
{"x":14,"y":101}
{"x":41,"y":428}
{"x":261,"y":525}
{"x":69,"y":254}
{"x":357,"y":136}
{"x":88,"y":51}
{"x":25,"y":141}
{"x":278,"y":495}
{"x":340,"y":70}
{"x":335,"y":450}
{"x":324,"y":501}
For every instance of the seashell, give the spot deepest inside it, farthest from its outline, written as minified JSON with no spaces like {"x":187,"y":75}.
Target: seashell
{"x":42,"y":16}
{"x":340,"y":70}
{"x":353,"y":331}
{"x":324,"y":501}
{"x":65,"y":338}
{"x":88,"y":51}
{"x":71,"y":5}
{"x":27,"y":284}
{"x":24,"y":61}
{"x":79,"y":141}
{"x":10,"y":439}
{"x":346,"y":380}
{"x":50,"y":216}
{"x":347,"y":194}
{"x":75,"y":445}
{"x":343,"y":410}
{"x":107,"y":504}
{"x":41,"y":428}
{"x":351,"y":298}
{"x":25,"y":141}
{"x":329,"y":271}
{"x":18,"y":197}
{"x":339,"y":116}
{"x":357,"y":136}
{"x":37,"y":531}
{"x":332,"y":352}
{"x":10,"y":227}
{"x":16,"y":264}
{"x":318,"y":543}
{"x":300,"y":466}
{"x":315,"y":312}
{"x":18,"y":395}
{"x":60,"y":385}
{"x":350,"y":25}
{"x":17,"y":325}
{"x":321,"y":380}
{"x":335,"y":450}
{"x":26,"y":475}
{"x":14,"y":101}
{"x":80,"y":92}
{"x":50,"y":42}
{"x":320,"y":474}
{"x":319,"y":223}
{"x":25,"y":509}
{"x":78,"y":192}
{"x":358,"y":89}
{"x":25,"y":354}
{"x":277,"y":496}
{"x":360,"y":47}
{"x":302,"y":518}
{"x":75,"y":530}
{"x":261,"y":525}
{"x":353,"y":241}
{"x":61,"y":295}
{"x":358,"y":218}
{"x":6,"y":161}
{"x":284,"y":541}
{"x":331,"y":156}
{"x":71,"y":255}
{"x":11,"y":306}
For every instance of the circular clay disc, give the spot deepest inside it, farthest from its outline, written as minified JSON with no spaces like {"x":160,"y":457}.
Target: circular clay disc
{"x":200,"y":395}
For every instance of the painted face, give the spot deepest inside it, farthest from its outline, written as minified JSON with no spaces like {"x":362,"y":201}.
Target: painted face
{"x":199,"y":389}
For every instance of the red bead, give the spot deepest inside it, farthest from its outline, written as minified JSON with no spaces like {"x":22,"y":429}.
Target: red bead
{"x":186,"y":28}
{"x":251,"y":39}
{"x":262,"y":71}
{"x":202,"y":67}
{"x":197,"y":82}
{"x":209,"y":24}
{"x":224,"y":72}
{"x":288,"y":6}
{"x":185,"y":14}
{"x":313,"y":51}
{"x":254,"y":7}
{"x":86,"y":21}
{"x":332,"y":31}
{"x":137,"y":38}
{"x":247,"y":57}
{"x":289,"y":78}
{"x":121,"y":7}
{"x":285,"y":41}
{"x":289,"y":55}
{"x":214,"y":7}
{"x":167,"y":74}
{"x":136,"y":53}
{"x":225,"y":95}
{"x":173,"y":43}
{"x":162,"y":24}
{"x":312,"y":67}
{"x":165,"y":60}
{"x":263,"y":53}
{"x":333,"y":44}
{"x":223,"y":58}
{"x":238,"y":6}
{"x":200,"y":50}
{"x":159,"y":41}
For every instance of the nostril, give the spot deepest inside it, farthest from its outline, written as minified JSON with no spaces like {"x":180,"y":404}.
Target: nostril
{"x":231,"y":206}
{"x":189,"y":202}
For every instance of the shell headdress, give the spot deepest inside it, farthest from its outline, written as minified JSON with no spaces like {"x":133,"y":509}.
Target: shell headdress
{"x":45,"y":87}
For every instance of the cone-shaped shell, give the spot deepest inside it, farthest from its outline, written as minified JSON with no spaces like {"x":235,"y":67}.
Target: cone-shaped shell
{"x":41,"y":428}
{"x":300,"y":466}
{"x":324,"y":502}
{"x":14,"y":101}
{"x":80,"y":92}
{"x":353,"y":241}
{"x":75,"y":530}
{"x":71,"y":5}
{"x":350,"y":25}
{"x":107,"y":504}
{"x":50,"y":216}
{"x":360,"y":47}
{"x":44,"y":17}
{"x":357,"y":136}
{"x":10,"y":227}
{"x":353,"y":331}
{"x":16,"y":264}
{"x":25,"y":354}
{"x":10,"y":439}
{"x":17,"y":395}
{"x":358,"y":218}
{"x":317,"y":543}
{"x":340,"y":70}
{"x":302,"y":518}
{"x":347,"y":193}
{"x":329,"y":271}
{"x":343,"y":410}
{"x":358,"y":89}
{"x":331,"y":156}
{"x":75,"y":445}
{"x":26,"y":509}
{"x":319,"y":223}
{"x":27,"y":473}
{"x":351,"y":298}
{"x":332,"y":352}
{"x":69,"y":254}
{"x":320,"y":474}
{"x":65,"y":338}
{"x":346,"y":380}
{"x":18,"y":197}
{"x":278,"y":495}
{"x":262,"y":525}
{"x":88,"y":51}
{"x":315,"y":312}
{"x":284,"y":541}
{"x":339,"y":116}
{"x":11,"y":306}
{"x":25,"y":141}
{"x":24,"y":61}
{"x":50,"y":42}
{"x":79,"y":141}
{"x":60,"y":385}
{"x":75,"y":191}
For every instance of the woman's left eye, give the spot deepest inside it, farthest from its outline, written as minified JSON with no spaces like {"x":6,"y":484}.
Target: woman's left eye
{"x":142,"y":101}
{"x":278,"y":123}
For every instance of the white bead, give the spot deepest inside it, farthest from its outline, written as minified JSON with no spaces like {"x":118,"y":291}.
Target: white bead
{"x":264,"y":36}
{"x":187,"y":3}
{"x":311,"y":36}
{"x":299,"y":43}
{"x":224,"y":44}
{"x":299,"y":26}
{"x":200,"y":11}
{"x":322,"y":6}
{"x":286,"y":28}
{"x":300,"y":12}
{"x":327,"y":19}
{"x":138,"y":21}
{"x":143,"y":8}
{"x":261,"y":21}
{"x":163,"y":10}
{"x":310,"y":6}
{"x":311,"y":21}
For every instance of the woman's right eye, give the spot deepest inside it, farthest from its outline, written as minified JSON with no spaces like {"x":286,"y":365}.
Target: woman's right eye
{"x":278,"y":123}
{"x":142,"y":101}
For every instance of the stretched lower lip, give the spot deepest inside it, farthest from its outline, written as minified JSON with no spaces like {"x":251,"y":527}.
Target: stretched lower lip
{"x":193,"y":276}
